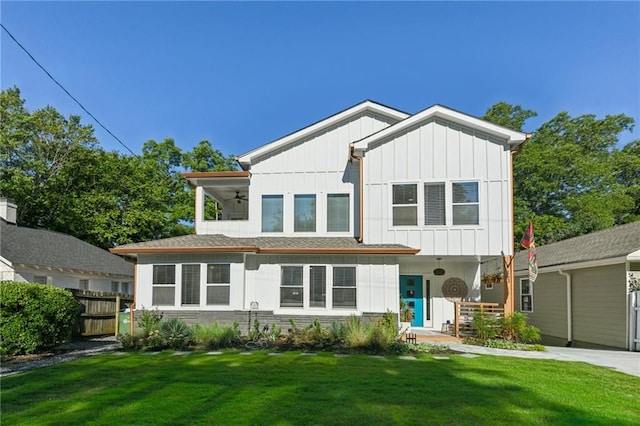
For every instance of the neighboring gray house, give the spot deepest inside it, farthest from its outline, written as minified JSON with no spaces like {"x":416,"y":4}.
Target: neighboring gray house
{"x":581,"y":296}
{"x":37,"y":255}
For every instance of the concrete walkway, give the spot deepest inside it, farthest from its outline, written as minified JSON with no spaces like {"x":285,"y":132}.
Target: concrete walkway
{"x":623,"y":361}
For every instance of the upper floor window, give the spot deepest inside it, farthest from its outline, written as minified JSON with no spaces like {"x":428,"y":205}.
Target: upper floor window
{"x":405,"y":204}
{"x":272,"y":213}
{"x":466,"y":206}
{"x":338,"y":212}
{"x":304,"y":213}
{"x":164,"y":281}
{"x":434,"y":203}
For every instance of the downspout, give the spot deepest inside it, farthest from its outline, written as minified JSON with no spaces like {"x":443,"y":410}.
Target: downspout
{"x":509,"y":288}
{"x":569,"y":311}
{"x":360,"y":161}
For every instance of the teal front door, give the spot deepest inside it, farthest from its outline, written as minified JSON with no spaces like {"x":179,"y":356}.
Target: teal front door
{"x":411,"y":292}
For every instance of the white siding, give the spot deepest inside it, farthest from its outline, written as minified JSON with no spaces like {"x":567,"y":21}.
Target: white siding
{"x":438,"y":152}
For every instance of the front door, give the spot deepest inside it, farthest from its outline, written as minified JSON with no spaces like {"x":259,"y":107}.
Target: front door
{"x":411,"y":292}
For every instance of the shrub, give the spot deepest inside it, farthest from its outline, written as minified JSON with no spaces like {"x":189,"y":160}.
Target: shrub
{"x":514,"y":328}
{"x":148,"y":320}
{"x":34,"y":317}
{"x":356,"y":333}
{"x":174,"y":333}
{"x":485,"y":325}
{"x":214,"y":336}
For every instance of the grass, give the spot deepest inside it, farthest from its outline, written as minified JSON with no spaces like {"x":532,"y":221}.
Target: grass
{"x":144,"y":389}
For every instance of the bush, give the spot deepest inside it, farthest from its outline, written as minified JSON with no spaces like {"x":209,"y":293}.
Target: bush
{"x":485,"y":325}
{"x":174,"y":333}
{"x":148,"y":320}
{"x":34,"y":317}
{"x":214,"y":336}
{"x":514,"y":328}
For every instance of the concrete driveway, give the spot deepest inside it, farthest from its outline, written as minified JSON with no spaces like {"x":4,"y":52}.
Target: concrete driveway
{"x":623,"y":361}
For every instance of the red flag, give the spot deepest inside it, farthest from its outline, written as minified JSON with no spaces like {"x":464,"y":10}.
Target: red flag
{"x":529,"y":242}
{"x":527,"y":239}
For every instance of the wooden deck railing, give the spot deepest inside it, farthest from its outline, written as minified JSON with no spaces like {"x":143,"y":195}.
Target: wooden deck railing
{"x":464,"y":312}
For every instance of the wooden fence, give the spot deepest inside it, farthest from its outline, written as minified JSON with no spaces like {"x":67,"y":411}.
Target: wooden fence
{"x":97,"y":311}
{"x":464,"y":315}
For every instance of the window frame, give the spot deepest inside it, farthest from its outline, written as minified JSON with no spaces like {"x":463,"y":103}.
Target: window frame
{"x":444,"y":203}
{"x":262,"y":207}
{"x":159,"y":286}
{"x":297,"y":221}
{"x":335,"y":287}
{"x":455,"y":204}
{"x":290,"y":286}
{"x":195,"y":296}
{"x":528,"y":295}
{"x":314,"y":287}
{"x":217,"y":285}
{"x":395,"y":205}
{"x":340,"y":220}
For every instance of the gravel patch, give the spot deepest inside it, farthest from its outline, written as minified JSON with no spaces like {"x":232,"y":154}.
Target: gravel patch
{"x":63,"y":353}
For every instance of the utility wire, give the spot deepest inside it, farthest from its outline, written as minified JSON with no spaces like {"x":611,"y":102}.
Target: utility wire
{"x":65,"y":90}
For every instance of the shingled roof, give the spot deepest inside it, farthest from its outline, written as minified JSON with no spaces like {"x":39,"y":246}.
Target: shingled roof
{"x":42,"y":248}
{"x":222,"y":243}
{"x":612,"y":243}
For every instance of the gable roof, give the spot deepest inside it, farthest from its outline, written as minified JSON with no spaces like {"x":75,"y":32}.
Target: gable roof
{"x":47,"y":249}
{"x":613,"y":244}
{"x":512,"y":137}
{"x":366,"y":106}
{"x":291,"y":245}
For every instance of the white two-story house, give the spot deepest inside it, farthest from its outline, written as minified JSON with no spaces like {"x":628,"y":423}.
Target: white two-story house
{"x":341,"y":218}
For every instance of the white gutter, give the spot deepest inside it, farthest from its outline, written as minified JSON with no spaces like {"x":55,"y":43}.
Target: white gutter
{"x":569,"y":311}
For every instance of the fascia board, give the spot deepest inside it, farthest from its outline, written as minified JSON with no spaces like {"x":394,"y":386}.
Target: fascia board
{"x":634,"y":257}
{"x":574,"y":266}
{"x":245,"y":159}
{"x":447,"y":114}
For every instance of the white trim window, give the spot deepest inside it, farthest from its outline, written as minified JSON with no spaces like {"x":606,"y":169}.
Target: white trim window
{"x":218,"y":284}
{"x":318,"y":286}
{"x":272,"y":208}
{"x":115,"y":286}
{"x":40,"y":279}
{"x":465,"y":203}
{"x":291,"y":287}
{"x":337,"y":212}
{"x":435,"y":207}
{"x":405,"y":204}
{"x":304,"y":213}
{"x":190,"y":284}
{"x":163,"y":285}
{"x":526,"y":295}
{"x":83,"y":284}
{"x":344,"y":287}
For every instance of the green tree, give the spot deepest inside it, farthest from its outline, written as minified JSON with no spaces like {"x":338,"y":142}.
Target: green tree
{"x":566,"y":177}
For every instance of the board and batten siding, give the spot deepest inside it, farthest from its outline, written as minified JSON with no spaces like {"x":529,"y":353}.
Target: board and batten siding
{"x":549,"y":304}
{"x":376,"y":282}
{"x":318,"y":164}
{"x":437,"y":151}
{"x":599,"y":305}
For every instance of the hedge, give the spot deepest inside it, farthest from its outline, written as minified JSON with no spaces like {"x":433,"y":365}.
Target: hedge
{"x":34,"y":317}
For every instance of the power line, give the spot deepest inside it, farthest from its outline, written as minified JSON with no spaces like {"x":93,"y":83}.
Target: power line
{"x":65,"y":90}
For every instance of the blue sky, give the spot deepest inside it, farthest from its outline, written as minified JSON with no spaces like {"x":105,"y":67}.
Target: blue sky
{"x":244,"y":74}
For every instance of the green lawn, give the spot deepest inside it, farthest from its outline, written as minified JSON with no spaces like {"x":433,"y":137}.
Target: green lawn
{"x":232,"y":388}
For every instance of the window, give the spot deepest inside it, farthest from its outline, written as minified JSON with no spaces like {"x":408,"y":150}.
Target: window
{"x":526,"y":295}
{"x":272,"y":213}
{"x":338,"y":212}
{"x":83,"y":284}
{"x":291,"y":292}
{"x":218,"y":284}
{"x":317,"y":286}
{"x":164,"y":281}
{"x":405,"y":205}
{"x":115,"y":286}
{"x":344,"y":287}
{"x":304,"y":211}
{"x":125,"y":288}
{"x":191,"y":284}
{"x":40,"y":279}
{"x":465,"y":203}
{"x":434,"y":203}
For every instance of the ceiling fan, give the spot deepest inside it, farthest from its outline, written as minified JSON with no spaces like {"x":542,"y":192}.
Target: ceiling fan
{"x":240,"y":198}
